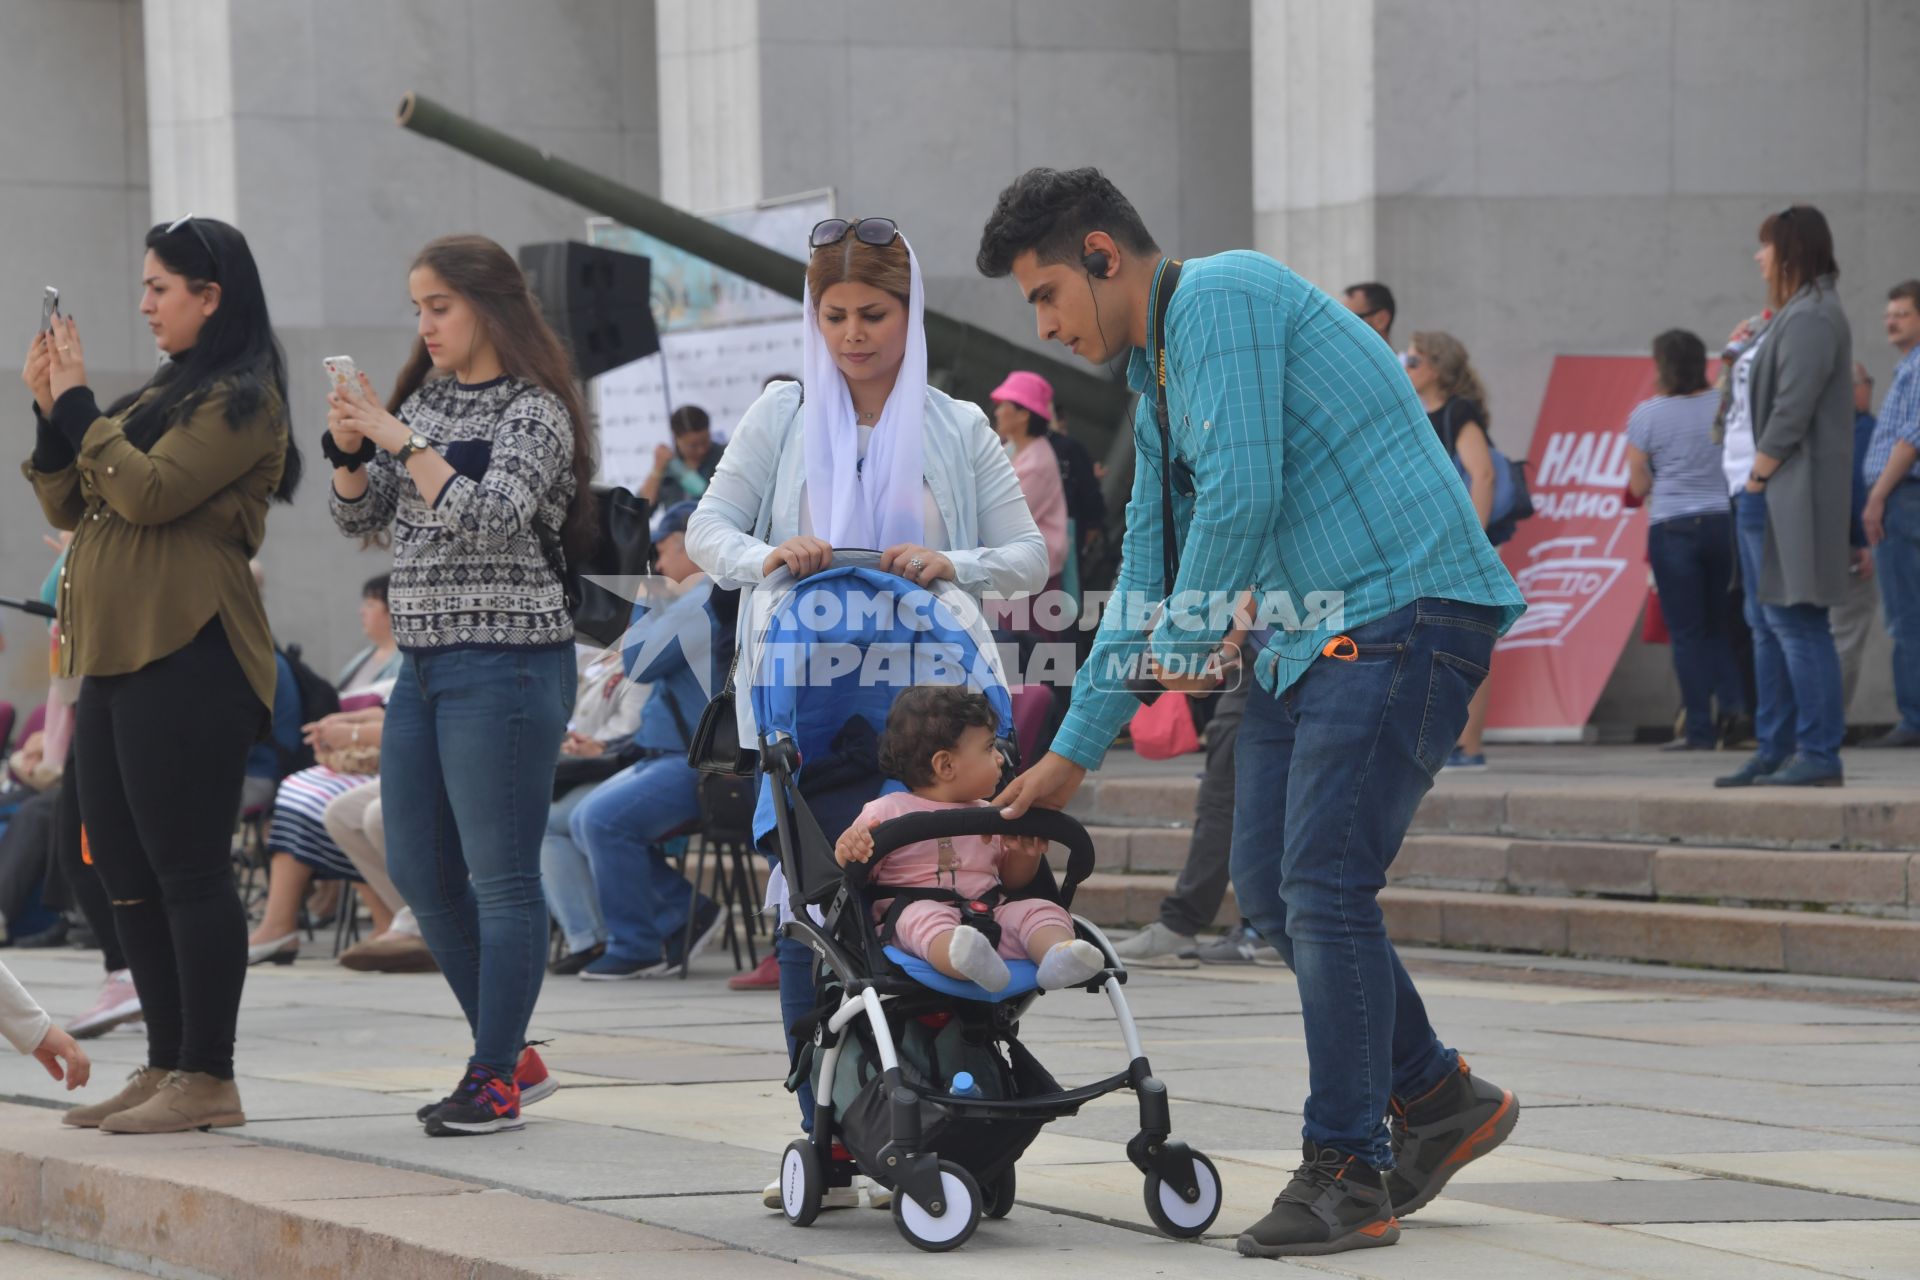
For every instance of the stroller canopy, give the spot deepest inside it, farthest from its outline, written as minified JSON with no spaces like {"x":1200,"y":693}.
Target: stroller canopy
{"x":842,"y":645}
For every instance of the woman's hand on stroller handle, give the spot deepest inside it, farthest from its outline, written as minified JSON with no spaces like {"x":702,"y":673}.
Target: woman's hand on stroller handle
{"x":1050,"y":784}
{"x":800,"y":555}
{"x":855,"y":844}
{"x":918,"y":565}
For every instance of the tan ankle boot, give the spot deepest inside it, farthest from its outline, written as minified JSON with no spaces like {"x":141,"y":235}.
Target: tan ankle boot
{"x":185,"y":1100}
{"x":140,"y":1086}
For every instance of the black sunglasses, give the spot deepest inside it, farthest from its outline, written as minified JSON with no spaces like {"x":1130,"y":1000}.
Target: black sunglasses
{"x":875,"y":231}
{"x":213,"y":259}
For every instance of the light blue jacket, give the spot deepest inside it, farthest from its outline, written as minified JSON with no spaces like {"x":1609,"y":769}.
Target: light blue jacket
{"x":752,"y":504}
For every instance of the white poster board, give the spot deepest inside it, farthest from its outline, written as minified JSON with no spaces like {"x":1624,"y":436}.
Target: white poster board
{"x":721,"y":337}
{"x":721,"y":370}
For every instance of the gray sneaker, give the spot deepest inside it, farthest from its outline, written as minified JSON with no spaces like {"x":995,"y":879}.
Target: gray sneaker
{"x":1240,"y":946}
{"x":1158,"y":947}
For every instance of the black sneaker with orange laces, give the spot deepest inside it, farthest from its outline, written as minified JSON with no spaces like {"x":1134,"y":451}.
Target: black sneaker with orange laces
{"x":483,"y":1103}
{"x":1437,"y":1135}
{"x":1335,"y":1202}
{"x":530,"y":1073}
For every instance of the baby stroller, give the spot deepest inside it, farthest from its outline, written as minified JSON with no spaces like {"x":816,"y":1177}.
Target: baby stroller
{"x":892,"y":1042}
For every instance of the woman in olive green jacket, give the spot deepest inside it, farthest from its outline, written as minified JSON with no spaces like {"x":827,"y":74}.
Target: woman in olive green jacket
{"x":166,"y":493}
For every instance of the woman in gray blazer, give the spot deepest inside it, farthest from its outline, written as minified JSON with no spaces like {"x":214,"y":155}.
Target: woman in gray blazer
{"x":1791,"y":516}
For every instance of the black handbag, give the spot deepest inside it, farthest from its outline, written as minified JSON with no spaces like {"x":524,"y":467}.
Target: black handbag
{"x":716,"y":746}
{"x":622,"y":549}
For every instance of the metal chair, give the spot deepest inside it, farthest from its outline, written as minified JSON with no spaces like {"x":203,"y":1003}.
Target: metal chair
{"x":726,"y":833}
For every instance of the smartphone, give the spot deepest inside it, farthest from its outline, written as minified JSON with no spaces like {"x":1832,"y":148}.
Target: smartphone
{"x":345,"y":376}
{"x":49,"y":308}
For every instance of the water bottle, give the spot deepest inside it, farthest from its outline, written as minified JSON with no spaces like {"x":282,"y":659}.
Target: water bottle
{"x":963,"y":1085}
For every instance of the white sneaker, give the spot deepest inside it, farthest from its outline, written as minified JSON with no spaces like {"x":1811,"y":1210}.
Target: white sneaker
{"x":117,"y":1005}
{"x":847,"y":1197}
{"x":1158,"y":947}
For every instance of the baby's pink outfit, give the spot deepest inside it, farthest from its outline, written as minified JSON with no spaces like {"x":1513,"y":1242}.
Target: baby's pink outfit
{"x":969,"y":865}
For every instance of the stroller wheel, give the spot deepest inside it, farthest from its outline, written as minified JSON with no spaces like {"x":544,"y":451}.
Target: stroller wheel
{"x":1179,"y":1217}
{"x":999,"y":1194}
{"x":801,"y":1183}
{"x":949,"y":1229}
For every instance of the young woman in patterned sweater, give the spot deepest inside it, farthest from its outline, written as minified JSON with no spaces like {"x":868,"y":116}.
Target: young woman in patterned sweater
{"x":482,"y":447}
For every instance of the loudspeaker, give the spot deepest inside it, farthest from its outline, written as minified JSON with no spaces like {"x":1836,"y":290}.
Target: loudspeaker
{"x":597,"y":299}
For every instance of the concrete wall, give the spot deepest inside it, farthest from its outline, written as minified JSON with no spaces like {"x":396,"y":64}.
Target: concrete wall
{"x":277,"y":115}
{"x":73,"y":205}
{"x":1549,"y":176}
{"x":922,"y":110}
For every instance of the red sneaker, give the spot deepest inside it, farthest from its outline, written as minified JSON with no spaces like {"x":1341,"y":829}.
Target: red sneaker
{"x":761,"y":977}
{"x":530,"y":1073}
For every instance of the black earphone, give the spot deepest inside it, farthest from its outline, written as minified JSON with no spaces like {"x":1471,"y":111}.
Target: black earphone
{"x":1097,"y":265}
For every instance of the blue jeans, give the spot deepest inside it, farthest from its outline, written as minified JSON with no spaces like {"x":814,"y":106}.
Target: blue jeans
{"x":1796,"y":668}
{"x":466,"y":779}
{"x":797,"y":998}
{"x":1897,"y":563}
{"x":621,"y":826}
{"x":1692,"y":559}
{"x":567,"y":876}
{"x":1336,"y":766}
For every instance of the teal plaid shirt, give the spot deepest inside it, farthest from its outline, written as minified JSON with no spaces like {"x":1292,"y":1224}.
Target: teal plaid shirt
{"x":1314,"y":469}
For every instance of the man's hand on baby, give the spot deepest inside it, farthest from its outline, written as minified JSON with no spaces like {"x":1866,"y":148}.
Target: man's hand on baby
{"x":854,"y":845}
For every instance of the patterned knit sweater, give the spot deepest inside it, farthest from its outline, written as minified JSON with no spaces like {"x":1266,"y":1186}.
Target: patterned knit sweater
{"x":469,"y":571}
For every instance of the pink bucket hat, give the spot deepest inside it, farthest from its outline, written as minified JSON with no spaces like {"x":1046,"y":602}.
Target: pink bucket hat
{"x":1029,"y":391}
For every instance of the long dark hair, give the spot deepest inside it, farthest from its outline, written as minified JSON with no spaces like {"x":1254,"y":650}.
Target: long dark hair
{"x":1802,"y":249}
{"x":492,"y":283}
{"x":236,"y":351}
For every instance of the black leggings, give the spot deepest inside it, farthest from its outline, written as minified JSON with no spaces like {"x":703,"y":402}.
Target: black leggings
{"x":71,"y":882}
{"x":162,"y":756}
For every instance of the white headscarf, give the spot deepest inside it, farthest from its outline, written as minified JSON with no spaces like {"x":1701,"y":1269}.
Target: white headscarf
{"x":879,"y":505}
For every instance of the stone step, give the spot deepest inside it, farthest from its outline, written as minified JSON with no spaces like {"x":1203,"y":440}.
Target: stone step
{"x":1869,"y":883}
{"x":1764,"y":940}
{"x":218,"y":1205}
{"x":1655,"y":811}
{"x":1880,"y":884}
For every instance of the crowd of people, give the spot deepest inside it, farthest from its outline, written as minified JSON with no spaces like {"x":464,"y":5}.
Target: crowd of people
{"x":505,"y":806}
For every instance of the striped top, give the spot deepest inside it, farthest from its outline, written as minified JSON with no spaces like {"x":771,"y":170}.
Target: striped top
{"x":1676,"y":434}
{"x":1314,"y":471}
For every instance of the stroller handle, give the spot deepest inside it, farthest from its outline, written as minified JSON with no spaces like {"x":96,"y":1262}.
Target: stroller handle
{"x":913,"y":828}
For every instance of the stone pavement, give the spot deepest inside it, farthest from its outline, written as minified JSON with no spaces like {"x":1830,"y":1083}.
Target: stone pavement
{"x":1676,"y":1123}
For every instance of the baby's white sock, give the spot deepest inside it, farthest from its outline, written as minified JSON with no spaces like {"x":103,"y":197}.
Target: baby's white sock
{"x":976,"y":959}
{"x":1068,"y":964}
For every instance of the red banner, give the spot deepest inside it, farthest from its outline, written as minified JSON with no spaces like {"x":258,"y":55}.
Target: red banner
{"x":1581,"y":560}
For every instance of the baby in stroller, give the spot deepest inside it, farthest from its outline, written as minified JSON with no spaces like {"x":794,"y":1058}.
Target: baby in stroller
{"x":948,"y":910}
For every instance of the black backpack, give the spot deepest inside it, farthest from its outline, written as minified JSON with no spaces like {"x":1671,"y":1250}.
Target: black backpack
{"x":317,"y":698}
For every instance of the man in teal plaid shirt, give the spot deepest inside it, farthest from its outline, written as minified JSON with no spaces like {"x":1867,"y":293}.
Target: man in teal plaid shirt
{"x":1303,"y":469}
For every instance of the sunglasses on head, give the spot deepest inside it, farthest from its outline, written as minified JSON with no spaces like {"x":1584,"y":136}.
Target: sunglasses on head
{"x":874,"y":231}
{"x":213,"y":259}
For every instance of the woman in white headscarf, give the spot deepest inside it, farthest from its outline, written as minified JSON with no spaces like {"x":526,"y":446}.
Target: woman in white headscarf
{"x":869,"y":457}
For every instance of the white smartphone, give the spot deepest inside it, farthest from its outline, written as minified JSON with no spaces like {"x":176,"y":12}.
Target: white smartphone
{"x":345,"y":376}
{"x":49,"y":308}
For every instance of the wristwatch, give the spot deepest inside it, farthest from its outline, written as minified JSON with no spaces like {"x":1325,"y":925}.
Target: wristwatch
{"x":416,"y":443}
{"x":1754,"y":477}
